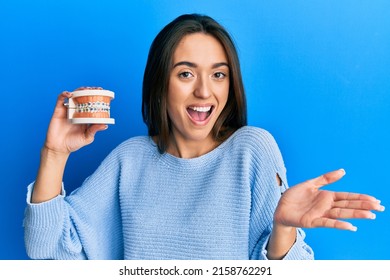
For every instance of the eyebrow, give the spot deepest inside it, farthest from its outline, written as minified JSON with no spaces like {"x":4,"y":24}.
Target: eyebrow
{"x":194,"y":65}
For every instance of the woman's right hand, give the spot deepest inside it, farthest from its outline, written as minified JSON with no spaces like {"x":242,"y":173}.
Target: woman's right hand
{"x":64,"y":137}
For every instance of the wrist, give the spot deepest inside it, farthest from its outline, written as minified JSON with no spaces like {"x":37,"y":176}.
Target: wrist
{"x":48,"y":183}
{"x":281,"y":240}
{"x":53,"y":155}
{"x":278,"y":227}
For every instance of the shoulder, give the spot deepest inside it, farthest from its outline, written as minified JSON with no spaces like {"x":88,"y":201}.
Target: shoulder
{"x":253,"y":131}
{"x":259,"y":147}
{"x":134,"y":147}
{"x":255,"y":138}
{"x":134,"y":142}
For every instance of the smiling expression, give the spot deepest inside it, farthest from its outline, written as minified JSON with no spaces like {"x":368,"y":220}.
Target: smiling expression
{"x":198,"y":89}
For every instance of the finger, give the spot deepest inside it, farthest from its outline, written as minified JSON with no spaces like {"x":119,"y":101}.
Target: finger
{"x":359,"y":204}
{"x":332,"y":223}
{"x":61,"y":98}
{"x":60,"y":110}
{"x":343,"y":213}
{"x":92,"y":130}
{"x":327,"y":178}
{"x":353,"y":196}
{"x":99,"y":127}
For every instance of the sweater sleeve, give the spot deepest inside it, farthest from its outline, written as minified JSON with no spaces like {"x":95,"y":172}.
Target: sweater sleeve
{"x":266,"y":193}
{"x":84,"y":225}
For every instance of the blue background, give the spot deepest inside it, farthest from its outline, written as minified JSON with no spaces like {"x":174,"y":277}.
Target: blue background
{"x":317,"y":76}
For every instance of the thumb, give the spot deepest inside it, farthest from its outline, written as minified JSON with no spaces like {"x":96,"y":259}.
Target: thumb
{"x":327,"y":178}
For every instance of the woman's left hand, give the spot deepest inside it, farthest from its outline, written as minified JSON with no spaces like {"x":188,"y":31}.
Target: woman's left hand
{"x":306,"y":205}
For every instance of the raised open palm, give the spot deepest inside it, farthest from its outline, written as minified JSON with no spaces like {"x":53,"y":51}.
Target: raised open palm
{"x":306,"y":205}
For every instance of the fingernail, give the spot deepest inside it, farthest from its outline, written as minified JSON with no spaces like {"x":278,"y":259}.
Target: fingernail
{"x":105,"y":127}
{"x":373,"y":216}
{"x":382,"y":208}
{"x":343,"y":170}
{"x":354,"y":229}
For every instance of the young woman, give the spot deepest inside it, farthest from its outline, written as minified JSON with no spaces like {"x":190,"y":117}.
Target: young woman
{"x":202,"y":185}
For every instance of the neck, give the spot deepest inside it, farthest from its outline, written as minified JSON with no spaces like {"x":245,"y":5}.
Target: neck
{"x":191,"y":149}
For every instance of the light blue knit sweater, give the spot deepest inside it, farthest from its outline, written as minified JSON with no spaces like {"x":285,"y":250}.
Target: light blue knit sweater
{"x":140,"y":204}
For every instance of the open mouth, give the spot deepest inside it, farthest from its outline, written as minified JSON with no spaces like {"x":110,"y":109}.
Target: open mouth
{"x":200,"y":114}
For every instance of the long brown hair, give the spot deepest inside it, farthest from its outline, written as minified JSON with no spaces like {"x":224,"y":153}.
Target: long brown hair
{"x":158,"y":69}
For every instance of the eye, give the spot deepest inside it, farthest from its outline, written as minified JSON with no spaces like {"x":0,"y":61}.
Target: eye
{"x":185,"y":75}
{"x":219,"y":75}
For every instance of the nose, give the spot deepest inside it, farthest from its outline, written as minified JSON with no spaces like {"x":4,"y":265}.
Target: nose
{"x":202,"y":88}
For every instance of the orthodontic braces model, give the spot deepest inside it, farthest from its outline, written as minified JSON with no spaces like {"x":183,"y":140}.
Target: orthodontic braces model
{"x":90,"y":106}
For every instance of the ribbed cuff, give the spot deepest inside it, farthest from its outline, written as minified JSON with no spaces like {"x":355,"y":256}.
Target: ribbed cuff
{"x":44,"y":214}
{"x":299,"y":251}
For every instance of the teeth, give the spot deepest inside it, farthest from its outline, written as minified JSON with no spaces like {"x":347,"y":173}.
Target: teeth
{"x":201,"y":109}
{"x":93,"y":107}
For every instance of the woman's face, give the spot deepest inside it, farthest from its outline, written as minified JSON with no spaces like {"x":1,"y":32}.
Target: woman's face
{"x":198,"y":88}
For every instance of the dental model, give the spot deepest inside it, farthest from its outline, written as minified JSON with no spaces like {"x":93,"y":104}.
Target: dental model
{"x":89,"y":106}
